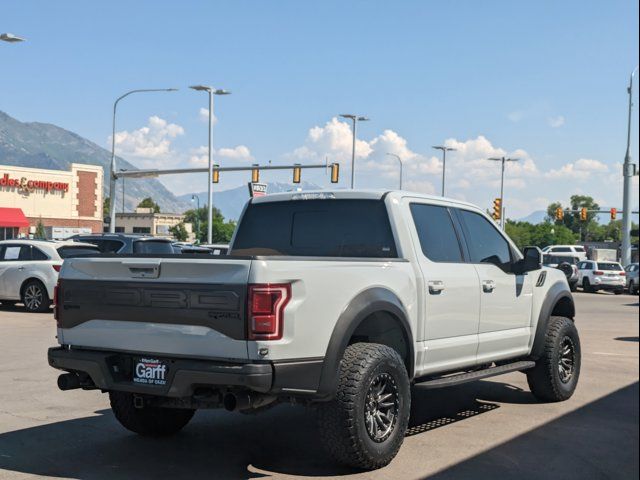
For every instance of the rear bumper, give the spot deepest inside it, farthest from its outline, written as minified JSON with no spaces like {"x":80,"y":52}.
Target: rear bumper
{"x":112,"y":371}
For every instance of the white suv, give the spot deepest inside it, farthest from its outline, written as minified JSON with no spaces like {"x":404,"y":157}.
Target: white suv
{"x":577,"y":251}
{"x":29,"y":270}
{"x":594,"y":276}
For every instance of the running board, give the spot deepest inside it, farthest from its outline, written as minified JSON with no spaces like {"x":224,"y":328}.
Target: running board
{"x":460,"y":378}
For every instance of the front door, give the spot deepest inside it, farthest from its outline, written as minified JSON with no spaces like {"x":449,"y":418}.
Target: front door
{"x":506,"y":298}
{"x":450,"y":292}
{"x":13,"y":264}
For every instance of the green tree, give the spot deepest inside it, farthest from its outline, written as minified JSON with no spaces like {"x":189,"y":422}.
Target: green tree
{"x":525,"y":234}
{"x":222,"y":230}
{"x":572,"y":220}
{"x":40,"y":234}
{"x":149,"y":203}
{"x":179,"y":232}
{"x":105,"y":207}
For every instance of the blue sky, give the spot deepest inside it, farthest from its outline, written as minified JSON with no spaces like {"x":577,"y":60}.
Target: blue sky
{"x":542,"y":80}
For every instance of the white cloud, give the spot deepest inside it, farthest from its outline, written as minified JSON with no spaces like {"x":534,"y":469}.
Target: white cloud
{"x":581,"y":169}
{"x":151,"y":141}
{"x":335,"y":140}
{"x":203,"y":115}
{"x":556,"y":122}
{"x":199,"y":157}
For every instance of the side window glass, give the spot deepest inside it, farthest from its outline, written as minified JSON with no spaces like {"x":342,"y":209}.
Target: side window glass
{"x":25,"y":253}
{"x":11,"y":252}
{"x":37,"y":254}
{"x":438,"y":238}
{"x":486,"y":244}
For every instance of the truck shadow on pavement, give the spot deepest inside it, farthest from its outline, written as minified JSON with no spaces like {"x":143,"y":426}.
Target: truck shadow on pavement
{"x":283,"y":440}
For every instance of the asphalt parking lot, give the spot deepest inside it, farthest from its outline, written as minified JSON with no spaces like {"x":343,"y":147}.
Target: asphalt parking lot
{"x":488,"y":429}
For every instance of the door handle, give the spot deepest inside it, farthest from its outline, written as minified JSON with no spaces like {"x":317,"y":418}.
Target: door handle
{"x":435,"y":287}
{"x":488,"y":286}
{"x":20,"y":268}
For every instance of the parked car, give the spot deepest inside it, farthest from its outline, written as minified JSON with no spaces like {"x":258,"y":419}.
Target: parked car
{"x":594,"y":276}
{"x":566,"y":264}
{"x":632,"y":278}
{"x":128,"y":244}
{"x":29,"y":270}
{"x":577,"y":251}
{"x":338,"y":299}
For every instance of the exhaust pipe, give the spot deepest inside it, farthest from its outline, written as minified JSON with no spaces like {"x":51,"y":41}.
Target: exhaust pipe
{"x":234,"y":402}
{"x":68,"y":381}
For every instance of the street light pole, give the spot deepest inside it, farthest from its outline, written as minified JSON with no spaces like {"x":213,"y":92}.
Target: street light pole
{"x":503,"y":161}
{"x":400,"y":162}
{"x":444,"y":161}
{"x":355,"y":119}
{"x":197,"y":199}
{"x":628,"y":171}
{"x":112,"y":175}
{"x":211,"y":91}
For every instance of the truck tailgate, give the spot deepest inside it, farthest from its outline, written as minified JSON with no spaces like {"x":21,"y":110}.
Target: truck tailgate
{"x":155,"y":305}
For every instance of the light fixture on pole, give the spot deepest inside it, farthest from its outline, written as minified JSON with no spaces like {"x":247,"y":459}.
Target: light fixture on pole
{"x":113,"y":176}
{"x":11,"y":38}
{"x":400,"y":162}
{"x":354,"y":119}
{"x":444,"y":149}
{"x":211,"y":91}
{"x":503,"y":161}
{"x":628,"y":172}
{"x":197,"y":199}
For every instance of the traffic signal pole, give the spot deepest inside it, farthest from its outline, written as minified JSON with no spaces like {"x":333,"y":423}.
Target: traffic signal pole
{"x":628,"y":171}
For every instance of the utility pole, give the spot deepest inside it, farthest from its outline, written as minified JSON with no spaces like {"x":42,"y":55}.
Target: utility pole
{"x":628,"y":171}
{"x":355,"y":119}
{"x":503,"y":161}
{"x":397,"y":157}
{"x":444,"y":161}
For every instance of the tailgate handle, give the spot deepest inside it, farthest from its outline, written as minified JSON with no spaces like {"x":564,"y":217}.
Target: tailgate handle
{"x":143,"y":269}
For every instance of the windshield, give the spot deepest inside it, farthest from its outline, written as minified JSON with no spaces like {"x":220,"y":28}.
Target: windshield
{"x":77,"y":251}
{"x":609,"y":266}
{"x":323,"y":228}
{"x":153,"y":246}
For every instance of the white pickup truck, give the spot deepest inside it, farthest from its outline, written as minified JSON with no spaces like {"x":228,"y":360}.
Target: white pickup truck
{"x":339,"y":299}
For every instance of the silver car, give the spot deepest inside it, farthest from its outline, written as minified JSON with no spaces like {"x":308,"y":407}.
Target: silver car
{"x":632,"y":278}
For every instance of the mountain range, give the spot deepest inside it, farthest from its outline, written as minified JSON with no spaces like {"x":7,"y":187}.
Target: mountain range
{"x":42,"y":145}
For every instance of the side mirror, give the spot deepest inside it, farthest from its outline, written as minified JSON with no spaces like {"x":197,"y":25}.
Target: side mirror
{"x":532,"y":260}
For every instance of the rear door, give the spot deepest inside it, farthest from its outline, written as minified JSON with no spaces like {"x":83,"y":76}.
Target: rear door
{"x":506,"y":298}
{"x":451,"y":298}
{"x":165,"y":306}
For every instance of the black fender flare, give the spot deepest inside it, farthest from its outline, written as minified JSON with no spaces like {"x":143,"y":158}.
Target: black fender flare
{"x":363,"y":305}
{"x":556,"y":293}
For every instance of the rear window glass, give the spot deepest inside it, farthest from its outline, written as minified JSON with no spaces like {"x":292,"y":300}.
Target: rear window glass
{"x":153,"y":247}
{"x":73,"y":251}
{"x":562,"y":249}
{"x":580,"y":249}
{"x":323,"y":228}
{"x":437,"y":235}
{"x":609,"y":266}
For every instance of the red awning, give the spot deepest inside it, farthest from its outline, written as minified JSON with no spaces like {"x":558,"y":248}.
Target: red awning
{"x":12,"y":217}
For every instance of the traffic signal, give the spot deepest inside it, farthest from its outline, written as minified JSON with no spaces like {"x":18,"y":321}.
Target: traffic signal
{"x":497,"y":209}
{"x":614,"y":213}
{"x":255,"y":175}
{"x":215,"y":176}
{"x":297,"y":174}
{"x":559,"y":213}
{"x":583,"y":214}
{"x":335,"y":172}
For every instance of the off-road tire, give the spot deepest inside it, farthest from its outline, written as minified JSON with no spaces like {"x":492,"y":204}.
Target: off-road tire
{"x":35,"y":297}
{"x":148,"y":421}
{"x":341,"y":421}
{"x":545,"y":378}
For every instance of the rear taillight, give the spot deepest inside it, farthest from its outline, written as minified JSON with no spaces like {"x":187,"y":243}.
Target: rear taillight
{"x":622,"y":274}
{"x":57,"y":267}
{"x":266,"y":306}
{"x":598,"y":272}
{"x":57,"y":298}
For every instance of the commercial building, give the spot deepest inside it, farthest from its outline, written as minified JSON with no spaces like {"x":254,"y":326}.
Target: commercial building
{"x":145,"y":222}
{"x":64,"y":201}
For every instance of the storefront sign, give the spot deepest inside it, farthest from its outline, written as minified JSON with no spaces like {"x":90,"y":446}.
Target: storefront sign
{"x":27,"y":185}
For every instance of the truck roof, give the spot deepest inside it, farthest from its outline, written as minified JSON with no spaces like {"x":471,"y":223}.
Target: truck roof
{"x":357,"y":194}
